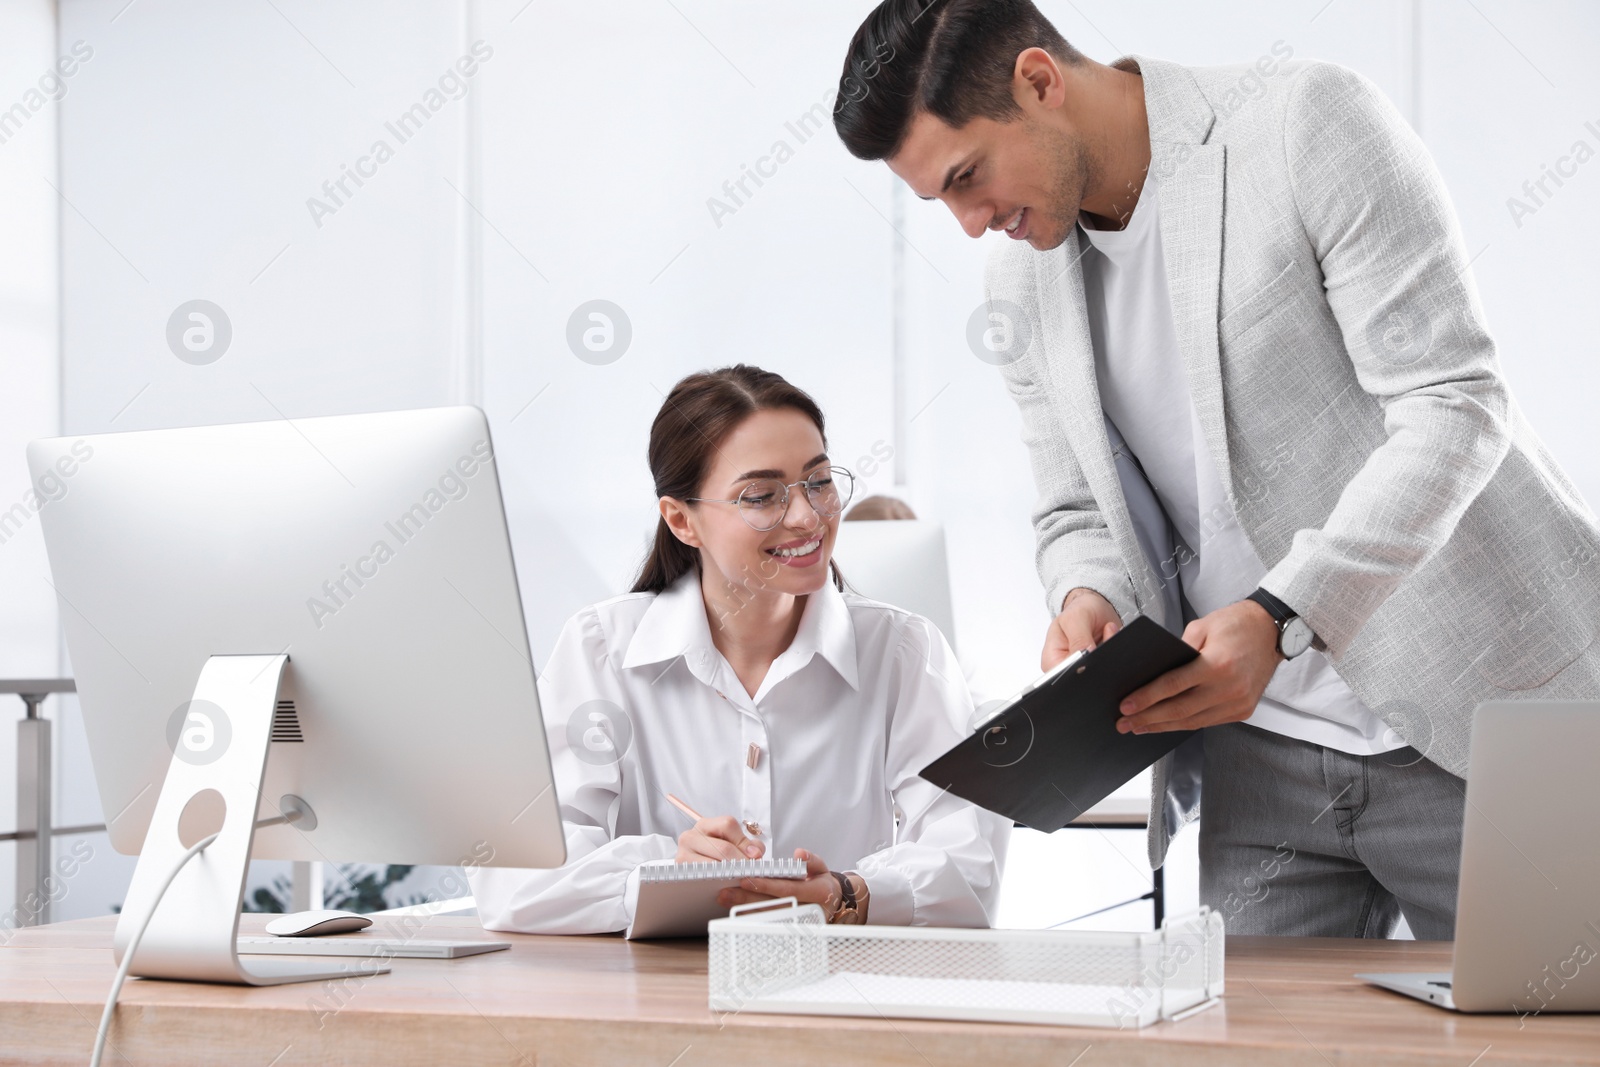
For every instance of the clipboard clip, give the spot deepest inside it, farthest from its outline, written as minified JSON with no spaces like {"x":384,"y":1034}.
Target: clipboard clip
{"x":1050,"y":675}
{"x":1038,"y":683}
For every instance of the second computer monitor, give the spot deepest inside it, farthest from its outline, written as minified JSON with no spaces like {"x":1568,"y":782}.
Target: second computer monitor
{"x":900,"y":562}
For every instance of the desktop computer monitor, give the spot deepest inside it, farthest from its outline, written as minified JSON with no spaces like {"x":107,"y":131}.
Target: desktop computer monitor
{"x":900,"y":562}
{"x":313,"y":623}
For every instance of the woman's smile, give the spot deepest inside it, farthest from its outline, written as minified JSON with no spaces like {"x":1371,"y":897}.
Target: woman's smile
{"x":805,"y":552}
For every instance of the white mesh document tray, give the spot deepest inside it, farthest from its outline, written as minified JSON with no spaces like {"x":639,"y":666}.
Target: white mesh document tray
{"x":787,"y":959}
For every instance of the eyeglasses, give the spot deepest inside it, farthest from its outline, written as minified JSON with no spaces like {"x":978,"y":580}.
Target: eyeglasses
{"x":764,"y":502}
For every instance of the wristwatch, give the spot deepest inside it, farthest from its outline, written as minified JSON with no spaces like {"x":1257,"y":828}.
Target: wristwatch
{"x":850,"y":912}
{"x":1294,"y":633}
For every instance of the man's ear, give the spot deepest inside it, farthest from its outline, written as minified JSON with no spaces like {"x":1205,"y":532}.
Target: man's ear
{"x":675,"y":513}
{"x":1037,"y":80}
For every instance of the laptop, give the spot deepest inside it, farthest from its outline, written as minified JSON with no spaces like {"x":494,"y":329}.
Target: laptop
{"x":1528,"y":906}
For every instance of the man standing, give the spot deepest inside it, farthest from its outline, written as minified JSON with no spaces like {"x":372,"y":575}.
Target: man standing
{"x":1262,"y":406}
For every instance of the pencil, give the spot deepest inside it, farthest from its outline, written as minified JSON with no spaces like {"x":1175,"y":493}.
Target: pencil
{"x":681,"y":806}
{"x":753,"y":829}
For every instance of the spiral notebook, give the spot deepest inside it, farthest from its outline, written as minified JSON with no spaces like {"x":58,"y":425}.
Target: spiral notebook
{"x":679,"y":899}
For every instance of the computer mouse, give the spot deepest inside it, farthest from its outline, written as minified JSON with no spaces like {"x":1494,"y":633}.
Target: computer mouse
{"x":317,"y":923}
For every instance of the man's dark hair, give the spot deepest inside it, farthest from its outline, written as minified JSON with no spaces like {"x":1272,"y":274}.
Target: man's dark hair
{"x":953,"y":59}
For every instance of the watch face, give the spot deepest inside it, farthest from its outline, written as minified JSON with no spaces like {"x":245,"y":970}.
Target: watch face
{"x":1295,"y":638}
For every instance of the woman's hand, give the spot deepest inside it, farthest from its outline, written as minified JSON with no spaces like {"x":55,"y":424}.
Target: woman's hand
{"x":818,"y":887}
{"x":710,"y":840}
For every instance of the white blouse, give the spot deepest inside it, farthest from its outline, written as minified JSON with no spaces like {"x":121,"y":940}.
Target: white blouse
{"x":639,"y":703}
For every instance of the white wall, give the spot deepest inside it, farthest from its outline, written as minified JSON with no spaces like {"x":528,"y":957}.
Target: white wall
{"x":191,"y":143}
{"x":588,"y":145}
{"x":608,"y":126}
{"x":29,"y":395}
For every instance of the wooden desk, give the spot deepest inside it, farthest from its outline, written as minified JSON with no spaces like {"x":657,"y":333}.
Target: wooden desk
{"x":603,"y":1001}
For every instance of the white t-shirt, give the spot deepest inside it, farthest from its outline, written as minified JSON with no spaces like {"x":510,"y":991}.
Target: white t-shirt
{"x":1144,"y":390}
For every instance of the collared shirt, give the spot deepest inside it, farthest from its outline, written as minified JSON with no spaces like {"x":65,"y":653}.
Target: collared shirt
{"x":638,"y":703}
{"x":1144,"y":391}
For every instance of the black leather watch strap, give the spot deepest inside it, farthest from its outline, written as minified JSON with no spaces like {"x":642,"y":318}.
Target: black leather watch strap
{"x":846,"y":891}
{"x":1280,"y":612}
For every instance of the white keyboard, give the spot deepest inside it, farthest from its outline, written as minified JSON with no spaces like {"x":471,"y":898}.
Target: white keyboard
{"x":415,"y":948}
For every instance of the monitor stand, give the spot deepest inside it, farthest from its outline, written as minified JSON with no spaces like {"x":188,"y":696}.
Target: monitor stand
{"x":219,"y":760}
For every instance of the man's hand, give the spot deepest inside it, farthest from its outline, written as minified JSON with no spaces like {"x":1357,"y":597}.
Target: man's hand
{"x":1238,"y":648}
{"x":1086,"y":619}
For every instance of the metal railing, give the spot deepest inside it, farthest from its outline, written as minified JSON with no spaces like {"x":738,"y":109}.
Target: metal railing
{"x":35,"y":830}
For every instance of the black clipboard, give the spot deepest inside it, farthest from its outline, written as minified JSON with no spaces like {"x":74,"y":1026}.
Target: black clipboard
{"x":1054,"y":752}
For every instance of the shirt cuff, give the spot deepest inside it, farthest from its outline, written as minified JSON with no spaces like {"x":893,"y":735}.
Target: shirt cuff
{"x":889,"y":899}
{"x":630,"y":893}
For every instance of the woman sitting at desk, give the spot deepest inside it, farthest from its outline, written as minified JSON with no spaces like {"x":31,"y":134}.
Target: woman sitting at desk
{"x":740,"y":676}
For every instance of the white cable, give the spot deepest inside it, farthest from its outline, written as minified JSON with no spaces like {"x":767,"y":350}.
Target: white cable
{"x":133,"y":946}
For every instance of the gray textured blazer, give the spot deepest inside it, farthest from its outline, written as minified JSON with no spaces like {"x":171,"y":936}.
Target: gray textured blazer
{"x":1350,"y":395}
